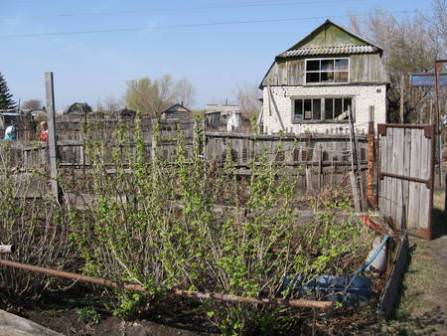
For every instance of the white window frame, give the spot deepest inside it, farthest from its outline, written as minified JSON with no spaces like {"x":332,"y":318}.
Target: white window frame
{"x":320,"y":71}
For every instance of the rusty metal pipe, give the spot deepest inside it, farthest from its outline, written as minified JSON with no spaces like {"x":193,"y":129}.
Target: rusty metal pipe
{"x":299,"y":303}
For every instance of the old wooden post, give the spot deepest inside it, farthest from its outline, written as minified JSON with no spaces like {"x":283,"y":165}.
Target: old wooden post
{"x":309,"y":185}
{"x":371,"y":191}
{"x":51,"y":121}
{"x":355,"y":160}
{"x":355,"y":191}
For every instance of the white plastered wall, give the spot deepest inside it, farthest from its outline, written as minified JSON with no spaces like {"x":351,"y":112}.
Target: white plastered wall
{"x":277,"y":107}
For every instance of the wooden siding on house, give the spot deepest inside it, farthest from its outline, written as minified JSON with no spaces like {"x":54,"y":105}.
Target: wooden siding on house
{"x":328,"y":34}
{"x":364,"y":69}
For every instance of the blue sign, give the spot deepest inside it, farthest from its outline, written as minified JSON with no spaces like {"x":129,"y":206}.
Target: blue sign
{"x":427,"y":79}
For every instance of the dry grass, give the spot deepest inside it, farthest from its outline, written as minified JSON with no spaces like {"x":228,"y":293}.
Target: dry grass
{"x":423,"y":305}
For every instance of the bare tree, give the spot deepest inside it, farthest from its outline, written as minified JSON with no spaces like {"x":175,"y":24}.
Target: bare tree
{"x":440,"y":15}
{"x":184,"y":92}
{"x":109,"y":105}
{"x":410,"y":45}
{"x":32,"y":104}
{"x":248,"y":99}
{"x":153,"y":96}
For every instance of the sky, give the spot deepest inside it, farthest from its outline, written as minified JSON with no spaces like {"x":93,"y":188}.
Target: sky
{"x":95,"y":47}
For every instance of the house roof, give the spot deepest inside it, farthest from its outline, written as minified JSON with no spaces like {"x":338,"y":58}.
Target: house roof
{"x":341,"y":50}
{"x":330,"y":39}
{"x":176,"y":108}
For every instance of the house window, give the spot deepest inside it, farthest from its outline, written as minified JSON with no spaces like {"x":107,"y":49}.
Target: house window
{"x":334,"y":107}
{"x":307,"y":109}
{"x":333,"y":70}
{"x":321,"y":109}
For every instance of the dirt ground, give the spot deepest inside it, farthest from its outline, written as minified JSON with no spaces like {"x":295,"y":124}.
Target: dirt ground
{"x":423,"y":306}
{"x":79,"y":311}
{"x":69,"y":324}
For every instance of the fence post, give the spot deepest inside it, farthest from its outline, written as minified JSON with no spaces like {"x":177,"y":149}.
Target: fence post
{"x":371,"y":192}
{"x":355,"y":191}
{"x":309,"y":185}
{"x":355,"y":159}
{"x":51,"y":121}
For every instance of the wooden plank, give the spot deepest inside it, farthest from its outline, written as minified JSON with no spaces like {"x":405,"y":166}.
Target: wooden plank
{"x":414,"y":187}
{"x":391,"y":293}
{"x":399,"y":164}
{"x":406,"y":171}
{"x":383,"y":186}
{"x":424,"y":197}
{"x":355,"y":191}
{"x":389,"y":163}
{"x":392,"y":181}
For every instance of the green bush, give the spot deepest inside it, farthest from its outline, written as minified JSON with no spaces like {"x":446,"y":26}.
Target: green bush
{"x":155,"y":226}
{"x":37,"y":227}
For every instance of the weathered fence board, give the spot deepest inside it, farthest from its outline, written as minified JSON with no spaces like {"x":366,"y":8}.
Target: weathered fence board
{"x":406,"y":174}
{"x":391,"y":293}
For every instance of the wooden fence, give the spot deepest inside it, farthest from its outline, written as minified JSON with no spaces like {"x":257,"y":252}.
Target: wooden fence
{"x":320,"y":159}
{"x":406,"y":173}
{"x":292,"y":151}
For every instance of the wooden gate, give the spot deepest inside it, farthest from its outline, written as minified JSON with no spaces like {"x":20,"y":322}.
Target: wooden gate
{"x":405,"y":171}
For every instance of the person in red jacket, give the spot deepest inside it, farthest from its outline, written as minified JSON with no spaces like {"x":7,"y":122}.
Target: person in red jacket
{"x":43,"y":135}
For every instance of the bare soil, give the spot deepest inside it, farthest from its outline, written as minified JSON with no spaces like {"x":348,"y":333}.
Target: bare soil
{"x":62,"y":313}
{"x":67,"y":322}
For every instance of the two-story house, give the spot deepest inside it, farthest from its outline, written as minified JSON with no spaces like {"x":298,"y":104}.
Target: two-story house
{"x":312,"y":86}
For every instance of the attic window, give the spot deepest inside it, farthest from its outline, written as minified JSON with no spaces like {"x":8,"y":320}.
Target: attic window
{"x":327,"y":70}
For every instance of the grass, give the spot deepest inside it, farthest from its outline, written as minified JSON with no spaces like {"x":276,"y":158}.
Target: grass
{"x":423,"y":305}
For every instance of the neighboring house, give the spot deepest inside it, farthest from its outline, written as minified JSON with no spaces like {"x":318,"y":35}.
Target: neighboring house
{"x":223,"y":116}
{"x":176,"y":112}
{"x":311,"y":86}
